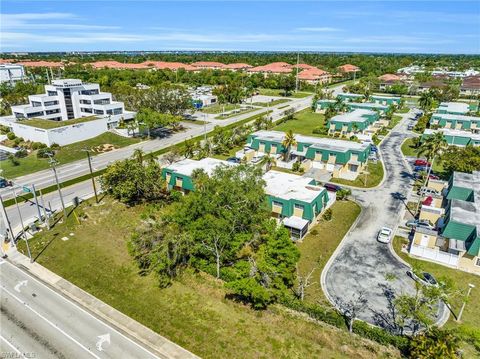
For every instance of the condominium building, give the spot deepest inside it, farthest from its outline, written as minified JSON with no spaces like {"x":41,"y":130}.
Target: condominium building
{"x":350,"y":123}
{"x":346,"y":96}
{"x":70,"y":98}
{"x":367,"y":106}
{"x":455,"y":121}
{"x":459,"y":138}
{"x":454,"y":108}
{"x":386,"y":100}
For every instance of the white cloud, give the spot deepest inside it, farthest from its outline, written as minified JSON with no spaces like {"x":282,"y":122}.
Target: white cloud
{"x":318,"y":29}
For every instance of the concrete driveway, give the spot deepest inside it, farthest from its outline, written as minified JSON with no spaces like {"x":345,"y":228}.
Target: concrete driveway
{"x":362,"y":264}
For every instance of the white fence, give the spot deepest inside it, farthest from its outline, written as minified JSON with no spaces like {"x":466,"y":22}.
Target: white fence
{"x":434,"y":255}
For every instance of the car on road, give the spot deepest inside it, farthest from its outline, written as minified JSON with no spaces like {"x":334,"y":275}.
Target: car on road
{"x":424,"y":223}
{"x":332,"y":187}
{"x":410,"y":126}
{"x":423,"y":278}
{"x":233,"y":160}
{"x":384,"y":235}
{"x":420,"y":162}
{"x":4,"y":183}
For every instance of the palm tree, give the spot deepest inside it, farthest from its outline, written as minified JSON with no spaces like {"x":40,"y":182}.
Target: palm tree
{"x":138,"y":155}
{"x":268,"y":161}
{"x":426,"y":101}
{"x":288,"y":141}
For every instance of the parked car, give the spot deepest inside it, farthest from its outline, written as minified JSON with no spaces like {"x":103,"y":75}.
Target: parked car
{"x":423,"y":278}
{"x":4,"y":183}
{"x":233,"y":160}
{"x":425,"y":191}
{"x":257,"y":159}
{"x":332,"y":187}
{"x":420,"y":162}
{"x":373,"y":148}
{"x":420,"y":168}
{"x":432,"y":176}
{"x":384,"y":235}
{"x":425,"y":223}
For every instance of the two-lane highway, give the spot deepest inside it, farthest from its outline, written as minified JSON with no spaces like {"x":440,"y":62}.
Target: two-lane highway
{"x":38,"y":322}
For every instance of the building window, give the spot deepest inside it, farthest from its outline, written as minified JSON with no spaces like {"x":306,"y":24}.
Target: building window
{"x":103,"y":101}
{"x":276,"y":203}
{"x":477,"y":262}
{"x":86,"y":109}
{"x":51,"y":112}
{"x":98,"y":112}
{"x":52,"y":93}
{"x":85,"y":102}
{"x":298,"y":206}
{"x":35,"y":114}
{"x":36,"y":104}
{"x":51,"y":103}
{"x":89,"y":92}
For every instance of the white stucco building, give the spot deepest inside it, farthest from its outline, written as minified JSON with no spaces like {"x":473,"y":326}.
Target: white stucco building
{"x":70,"y":98}
{"x":11,"y":73}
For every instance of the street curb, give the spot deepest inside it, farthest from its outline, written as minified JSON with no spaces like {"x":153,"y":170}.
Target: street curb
{"x":151,"y":340}
{"x":327,"y":266}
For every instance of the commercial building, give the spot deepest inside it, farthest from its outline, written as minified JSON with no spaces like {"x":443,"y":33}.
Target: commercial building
{"x":457,"y":242}
{"x":11,"y":73}
{"x":457,"y":138}
{"x":456,"y":122}
{"x":295,"y":200}
{"x":343,"y":159}
{"x":350,"y":123}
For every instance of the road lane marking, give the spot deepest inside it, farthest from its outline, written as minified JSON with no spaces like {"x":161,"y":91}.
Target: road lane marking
{"x":20,"y":284}
{"x":18,"y":352}
{"x":72,"y":302}
{"x":50,"y":322}
{"x":105,"y":338}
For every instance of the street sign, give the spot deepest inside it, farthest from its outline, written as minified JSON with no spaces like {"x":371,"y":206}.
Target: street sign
{"x":26,"y":189}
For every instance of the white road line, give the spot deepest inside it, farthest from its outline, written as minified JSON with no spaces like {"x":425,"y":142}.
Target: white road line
{"x":85,"y":311}
{"x":18,"y":352}
{"x":51,"y":323}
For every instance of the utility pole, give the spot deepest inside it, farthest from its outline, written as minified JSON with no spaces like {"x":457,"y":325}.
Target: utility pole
{"x":91,"y":174}
{"x":24,"y":232}
{"x":7,"y":221}
{"x":205,"y":127}
{"x":36,"y":203}
{"x":296,"y":77}
{"x":470,"y":287}
{"x":53,"y":163}
{"x":47,"y":217}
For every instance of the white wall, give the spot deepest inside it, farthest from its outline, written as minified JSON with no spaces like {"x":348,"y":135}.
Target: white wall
{"x":64,"y":135}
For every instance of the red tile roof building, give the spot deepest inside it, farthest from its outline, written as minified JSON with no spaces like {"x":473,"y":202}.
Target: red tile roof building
{"x":348,"y":68}
{"x":237,"y":66}
{"x":208,"y":65}
{"x":314,"y":75}
{"x":41,"y":64}
{"x":273,"y":68}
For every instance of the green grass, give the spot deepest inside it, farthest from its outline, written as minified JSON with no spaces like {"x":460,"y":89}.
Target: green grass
{"x":304,"y":123}
{"x":408,"y":149}
{"x":219,"y":108}
{"x":374,"y":177}
{"x":279,"y":92}
{"x":395,"y":120}
{"x":471,"y":315}
{"x":65,"y":155}
{"x":318,"y":246}
{"x":48,"y":124}
{"x":271,"y":103}
{"x":193,"y":312}
{"x":240,"y":112}
{"x":195,"y":122}
{"x":403,"y":110}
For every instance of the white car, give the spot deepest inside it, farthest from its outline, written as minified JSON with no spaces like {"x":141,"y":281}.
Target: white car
{"x":384,"y":235}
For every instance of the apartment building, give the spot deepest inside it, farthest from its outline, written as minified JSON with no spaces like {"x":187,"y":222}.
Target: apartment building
{"x":453,"y":108}
{"x":348,"y":97}
{"x":367,"y":106}
{"x":459,"y":138}
{"x":343,"y":159}
{"x":70,"y":98}
{"x":351,"y":123}
{"x":456,"y":243}
{"x":455,"y":122}
{"x":386,"y":100}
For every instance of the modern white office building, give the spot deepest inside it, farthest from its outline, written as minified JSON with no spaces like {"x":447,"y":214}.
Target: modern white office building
{"x":70,"y":98}
{"x":11,"y":73}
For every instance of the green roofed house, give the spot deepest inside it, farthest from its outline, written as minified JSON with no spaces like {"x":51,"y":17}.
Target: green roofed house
{"x":350,"y":123}
{"x":346,"y":97}
{"x":458,"y":242}
{"x":455,"y":137}
{"x":294,"y":200}
{"x":178,"y":175}
{"x":367,"y":106}
{"x":343,"y":159}
{"x":385,"y":100}
{"x":455,"y":121}
{"x":454,"y":108}
{"x":324,"y":104}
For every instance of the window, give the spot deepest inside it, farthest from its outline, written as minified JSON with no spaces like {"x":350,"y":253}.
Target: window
{"x":298,"y":206}
{"x":86,"y":109}
{"x":35,"y":114}
{"x":50,"y":112}
{"x":85,"y":102}
{"x":52,"y":93}
{"x":103,"y":101}
{"x":36,"y":104}
{"x":51,"y":103}
{"x":98,"y":112}
{"x":477,"y":261}
{"x":89,"y":92}
{"x":276,"y":203}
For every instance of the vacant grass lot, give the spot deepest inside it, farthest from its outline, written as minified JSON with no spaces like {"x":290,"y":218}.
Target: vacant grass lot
{"x":236,"y":113}
{"x":193,"y":312}
{"x":471,"y":316}
{"x":277,"y":92}
{"x":219,"y":108}
{"x":318,"y":246}
{"x":304,"y":123}
{"x":66,"y":154}
{"x":271,"y":103}
{"x":373,"y":178}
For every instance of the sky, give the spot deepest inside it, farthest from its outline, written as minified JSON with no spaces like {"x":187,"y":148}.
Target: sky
{"x":327,"y":26}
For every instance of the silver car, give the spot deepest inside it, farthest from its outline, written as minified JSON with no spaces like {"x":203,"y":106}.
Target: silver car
{"x":384,"y":235}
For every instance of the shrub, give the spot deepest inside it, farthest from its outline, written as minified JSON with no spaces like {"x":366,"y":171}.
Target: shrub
{"x":43,"y":152}
{"x":296,"y":167}
{"x":38,"y":145}
{"x":343,"y":194}
{"x":17,"y":141}
{"x":21,"y":153}
{"x":327,"y":215}
{"x":381,"y":336}
{"x":11,"y":136}
{"x":13,"y":160}
{"x":55,"y":146}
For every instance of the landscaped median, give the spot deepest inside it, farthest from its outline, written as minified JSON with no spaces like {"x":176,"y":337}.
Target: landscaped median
{"x":193,"y":312}
{"x":469,"y":327}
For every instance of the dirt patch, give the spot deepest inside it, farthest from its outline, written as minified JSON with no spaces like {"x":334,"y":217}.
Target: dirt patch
{"x":107,"y":147}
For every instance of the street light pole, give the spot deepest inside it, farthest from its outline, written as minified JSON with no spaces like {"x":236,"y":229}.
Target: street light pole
{"x":36,"y":203}
{"x":24,"y":232}
{"x":7,"y":221}
{"x":53,"y":163}
{"x":91,"y":174}
{"x":470,"y":287}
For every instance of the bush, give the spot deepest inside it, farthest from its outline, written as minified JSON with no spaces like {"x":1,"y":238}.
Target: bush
{"x":43,"y":152}
{"x":17,"y":141}
{"x":343,"y":194}
{"x":296,"y":167}
{"x":328,"y":214}
{"x":13,"y":160}
{"x":381,"y":336}
{"x":11,"y":136}
{"x":38,"y":145}
{"x":55,"y":146}
{"x":21,"y":153}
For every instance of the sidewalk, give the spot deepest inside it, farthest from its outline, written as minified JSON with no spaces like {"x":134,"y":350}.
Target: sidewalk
{"x":163,"y":347}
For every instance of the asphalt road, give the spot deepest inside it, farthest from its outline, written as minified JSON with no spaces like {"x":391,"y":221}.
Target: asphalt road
{"x":37,"y":322}
{"x":45,"y":178}
{"x":363,"y":264}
